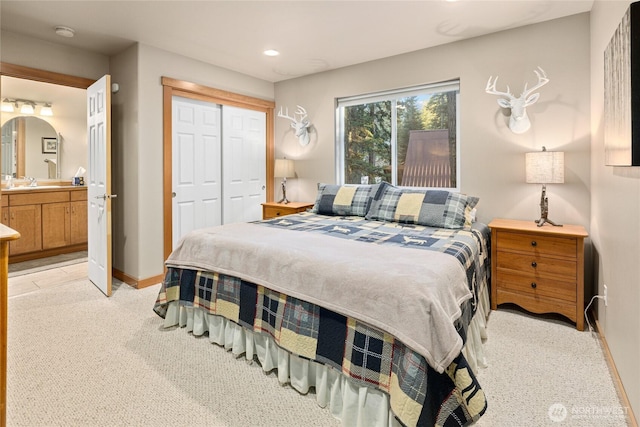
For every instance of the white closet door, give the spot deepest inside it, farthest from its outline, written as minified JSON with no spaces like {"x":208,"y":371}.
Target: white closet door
{"x":196,"y":166}
{"x":244,"y":164}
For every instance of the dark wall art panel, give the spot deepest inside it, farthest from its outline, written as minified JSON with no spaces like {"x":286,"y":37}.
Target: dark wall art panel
{"x":622,"y":92}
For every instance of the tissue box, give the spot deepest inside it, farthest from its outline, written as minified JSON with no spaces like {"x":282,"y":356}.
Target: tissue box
{"x":78,"y":180}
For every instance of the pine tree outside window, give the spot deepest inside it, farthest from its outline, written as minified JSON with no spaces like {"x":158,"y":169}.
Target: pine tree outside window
{"x":407,"y":137}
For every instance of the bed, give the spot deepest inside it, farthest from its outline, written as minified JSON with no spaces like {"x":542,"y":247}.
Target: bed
{"x":376,"y":298}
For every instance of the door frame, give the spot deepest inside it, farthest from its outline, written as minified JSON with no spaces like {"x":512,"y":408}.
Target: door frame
{"x":28,"y":73}
{"x":172,"y":87}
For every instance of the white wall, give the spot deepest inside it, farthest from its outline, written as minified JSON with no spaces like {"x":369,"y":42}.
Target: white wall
{"x":615,"y":228}
{"x":30,"y":52}
{"x":124,"y":161}
{"x":492,"y":157}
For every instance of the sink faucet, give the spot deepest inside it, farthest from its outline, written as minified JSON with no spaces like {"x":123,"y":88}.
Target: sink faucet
{"x":32,"y":181}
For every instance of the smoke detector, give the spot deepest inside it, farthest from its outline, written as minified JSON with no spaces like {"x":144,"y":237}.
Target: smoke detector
{"x":65,"y":31}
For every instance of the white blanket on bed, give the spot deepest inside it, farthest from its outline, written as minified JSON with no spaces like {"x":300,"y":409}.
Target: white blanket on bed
{"x":412,"y":294}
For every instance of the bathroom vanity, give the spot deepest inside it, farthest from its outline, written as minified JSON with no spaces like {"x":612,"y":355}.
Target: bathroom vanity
{"x":51,"y":220}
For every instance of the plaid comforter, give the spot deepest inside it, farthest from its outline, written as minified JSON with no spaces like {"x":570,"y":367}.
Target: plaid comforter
{"x":469,"y":246}
{"x":368,"y":356}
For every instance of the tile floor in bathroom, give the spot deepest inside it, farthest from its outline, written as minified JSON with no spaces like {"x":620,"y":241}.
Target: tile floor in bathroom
{"x":33,"y":282}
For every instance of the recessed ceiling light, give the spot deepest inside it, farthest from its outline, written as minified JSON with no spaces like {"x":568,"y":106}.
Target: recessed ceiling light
{"x":65,"y":31}
{"x":271,"y":52}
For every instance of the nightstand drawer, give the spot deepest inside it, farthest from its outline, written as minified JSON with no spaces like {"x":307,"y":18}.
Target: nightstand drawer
{"x":270,"y":212}
{"x":536,"y":244}
{"x":539,"y":286}
{"x":536,"y":265}
{"x":274,"y":210}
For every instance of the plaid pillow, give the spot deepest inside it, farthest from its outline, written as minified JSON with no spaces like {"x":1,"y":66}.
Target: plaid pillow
{"x":433,"y":208}
{"x":343,"y":200}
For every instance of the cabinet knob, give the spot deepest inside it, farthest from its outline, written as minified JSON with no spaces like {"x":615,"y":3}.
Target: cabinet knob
{"x":534,"y":264}
{"x":534,"y":285}
{"x":534,"y":243}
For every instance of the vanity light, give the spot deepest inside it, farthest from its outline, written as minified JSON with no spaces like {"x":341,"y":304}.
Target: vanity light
{"x":27,"y":108}
{"x":46,"y":110}
{"x":271,"y":52}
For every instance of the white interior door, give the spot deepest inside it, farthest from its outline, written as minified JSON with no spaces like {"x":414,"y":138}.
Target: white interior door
{"x":99,"y":183}
{"x":244,"y":140}
{"x":196,"y":166}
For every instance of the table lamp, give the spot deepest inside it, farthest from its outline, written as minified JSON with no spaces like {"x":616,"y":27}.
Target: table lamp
{"x":284,"y":169}
{"x":545,"y":167}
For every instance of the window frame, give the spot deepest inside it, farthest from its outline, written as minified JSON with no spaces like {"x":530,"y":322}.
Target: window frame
{"x":393,"y":96}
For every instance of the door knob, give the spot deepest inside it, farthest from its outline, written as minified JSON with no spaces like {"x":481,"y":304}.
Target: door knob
{"x":107,"y":196}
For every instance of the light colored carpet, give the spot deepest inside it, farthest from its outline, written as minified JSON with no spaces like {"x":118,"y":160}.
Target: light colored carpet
{"x":546,"y":373}
{"x":77,"y":358}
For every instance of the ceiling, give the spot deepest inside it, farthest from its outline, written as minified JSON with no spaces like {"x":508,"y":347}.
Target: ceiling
{"x":312,"y":36}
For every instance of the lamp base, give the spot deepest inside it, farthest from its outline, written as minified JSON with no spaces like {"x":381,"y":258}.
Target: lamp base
{"x":544,"y":210}
{"x":543,"y":221}
{"x":284,"y":192}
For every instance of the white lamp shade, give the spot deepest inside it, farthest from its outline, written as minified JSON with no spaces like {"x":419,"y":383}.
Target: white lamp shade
{"x":26,"y":109}
{"x":285,"y":168}
{"x":46,"y":110}
{"x":545,"y":167}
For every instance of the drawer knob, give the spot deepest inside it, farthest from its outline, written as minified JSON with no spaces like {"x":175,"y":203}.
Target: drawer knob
{"x":277,"y":213}
{"x":534,"y":264}
{"x":534,"y":243}
{"x":534,"y":285}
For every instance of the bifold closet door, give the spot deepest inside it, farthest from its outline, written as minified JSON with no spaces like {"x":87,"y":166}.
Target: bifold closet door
{"x":196,"y":166}
{"x":244,"y":160}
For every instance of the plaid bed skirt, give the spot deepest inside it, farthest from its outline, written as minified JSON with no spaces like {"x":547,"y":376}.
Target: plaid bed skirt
{"x":418,"y":395}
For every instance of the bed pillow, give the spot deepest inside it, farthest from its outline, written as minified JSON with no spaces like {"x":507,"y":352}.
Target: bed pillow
{"x":433,"y":208}
{"x":343,"y":200}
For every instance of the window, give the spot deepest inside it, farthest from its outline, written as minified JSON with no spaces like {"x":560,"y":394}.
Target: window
{"x":407,"y":137}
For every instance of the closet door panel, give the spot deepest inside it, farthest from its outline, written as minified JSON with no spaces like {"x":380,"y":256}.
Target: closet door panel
{"x":244,"y":164}
{"x":196,"y":166}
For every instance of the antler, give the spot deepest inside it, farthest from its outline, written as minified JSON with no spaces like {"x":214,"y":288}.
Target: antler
{"x":491,"y":88}
{"x":286,"y":115}
{"x":302,"y":112}
{"x":542,"y":80}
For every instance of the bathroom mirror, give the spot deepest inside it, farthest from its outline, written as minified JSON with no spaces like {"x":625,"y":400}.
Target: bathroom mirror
{"x":30,"y":147}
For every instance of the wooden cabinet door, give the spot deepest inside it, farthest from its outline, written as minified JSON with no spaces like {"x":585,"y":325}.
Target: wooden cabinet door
{"x":79,"y":222}
{"x":4,"y":216}
{"x":56,"y":225}
{"x":27,"y":220}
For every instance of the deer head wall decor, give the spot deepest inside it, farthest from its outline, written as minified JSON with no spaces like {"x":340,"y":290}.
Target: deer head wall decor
{"x":519,"y":121}
{"x":300,"y":125}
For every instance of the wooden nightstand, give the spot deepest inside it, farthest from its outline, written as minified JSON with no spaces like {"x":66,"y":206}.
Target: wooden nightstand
{"x":541,"y":269}
{"x":273,"y":209}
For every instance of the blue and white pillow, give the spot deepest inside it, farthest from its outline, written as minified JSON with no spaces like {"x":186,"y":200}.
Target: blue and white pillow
{"x":343,"y":200}
{"x":433,"y":208}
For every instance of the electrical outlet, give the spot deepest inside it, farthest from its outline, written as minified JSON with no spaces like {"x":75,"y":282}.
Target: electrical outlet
{"x":605,"y":295}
